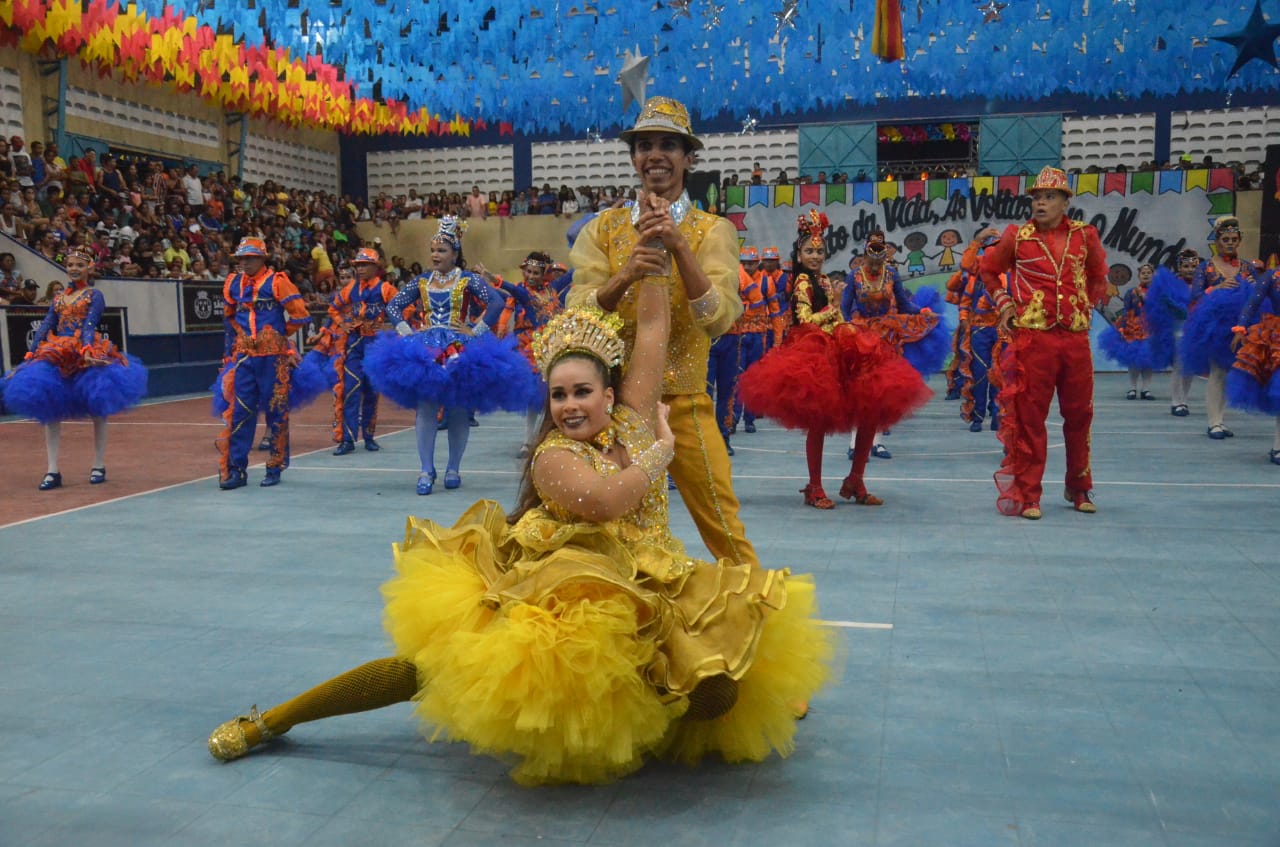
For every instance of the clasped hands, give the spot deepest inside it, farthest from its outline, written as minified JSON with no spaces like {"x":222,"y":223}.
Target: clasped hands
{"x":657,"y":237}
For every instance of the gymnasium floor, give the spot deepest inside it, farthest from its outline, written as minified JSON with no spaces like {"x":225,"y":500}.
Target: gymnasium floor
{"x":1084,"y":680}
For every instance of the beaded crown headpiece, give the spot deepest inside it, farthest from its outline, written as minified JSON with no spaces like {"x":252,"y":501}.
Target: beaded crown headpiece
{"x":589,"y":331}
{"x":1188,"y":255}
{"x":1226,"y":223}
{"x":876,"y":245}
{"x":537,"y":260}
{"x":82,"y":252}
{"x":450,"y":231}
{"x":813,"y":227}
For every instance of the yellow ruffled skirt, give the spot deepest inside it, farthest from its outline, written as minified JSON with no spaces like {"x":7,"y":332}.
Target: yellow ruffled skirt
{"x":571,"y":647}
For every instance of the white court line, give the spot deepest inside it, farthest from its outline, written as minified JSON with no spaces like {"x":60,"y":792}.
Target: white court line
{"x":984,"y":480}
{"x":105,"y":502}
{"x":339,"y":469}
{"x":155,"y":490}
{"x":117,"y":423}
{"x":855,"y":625}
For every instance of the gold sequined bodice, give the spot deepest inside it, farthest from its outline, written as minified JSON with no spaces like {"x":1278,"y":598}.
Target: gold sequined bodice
{"x":647,"y":521}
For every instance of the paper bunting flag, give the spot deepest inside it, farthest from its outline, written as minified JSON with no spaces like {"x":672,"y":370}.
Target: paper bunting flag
{"x":1170,"y":181}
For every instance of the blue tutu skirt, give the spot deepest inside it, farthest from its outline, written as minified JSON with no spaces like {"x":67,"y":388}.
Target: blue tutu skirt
{"x":439,"y":366}
{"x":929,"y":354}
{"x":1131,"y":354}
{"x":1206,"y":336}
{"x":36,"y":389}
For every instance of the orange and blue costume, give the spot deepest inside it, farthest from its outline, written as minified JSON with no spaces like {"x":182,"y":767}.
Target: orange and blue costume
{"x":356,"y":314}
{"x":979,"y":351}
{"x":1253,"y":382}
{"x":261,"y":311}
{"x":882,"y":305}
{"x":1056,"y":278}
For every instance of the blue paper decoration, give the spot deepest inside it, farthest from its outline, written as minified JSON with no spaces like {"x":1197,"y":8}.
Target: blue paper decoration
{"x":1256,"y":41}
{"x":508,"y":61}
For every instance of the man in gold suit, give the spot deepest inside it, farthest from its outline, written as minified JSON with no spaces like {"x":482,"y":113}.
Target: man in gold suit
{"x":663,"y":235}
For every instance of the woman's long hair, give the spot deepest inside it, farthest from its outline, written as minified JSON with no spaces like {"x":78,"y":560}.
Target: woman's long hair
{"x":818,"y":299}
{"x":528,"y":497}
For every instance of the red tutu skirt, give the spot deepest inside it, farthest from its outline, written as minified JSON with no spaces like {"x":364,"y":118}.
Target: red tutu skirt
{"x":833,"y":382}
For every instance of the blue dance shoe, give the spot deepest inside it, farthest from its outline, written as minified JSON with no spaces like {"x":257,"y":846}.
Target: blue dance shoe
{"x":265,"y":443}
{"x":235,"y":479}
{"x":452,"y":480}
{"x":881,"y":452}
{"x":1217,"y":433}
{"x":426,"y":482}
{"x":97,"y":476}
{"x":976,"y":426}
{"x":1274,"y":457}
{"x":344,"y":448}
{"x":371,"y":445}
{"x":51,"y":481}
{"x":272,"y":478}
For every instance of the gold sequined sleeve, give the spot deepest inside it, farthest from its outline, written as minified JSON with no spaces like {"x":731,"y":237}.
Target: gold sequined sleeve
{"x":718,"y":258}
{"x":570,"y":481}
{"x":804,"y":305}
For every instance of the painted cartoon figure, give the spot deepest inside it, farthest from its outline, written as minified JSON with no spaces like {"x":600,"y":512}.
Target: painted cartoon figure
{"x":948,"y":240}
{"x":915,"y":242}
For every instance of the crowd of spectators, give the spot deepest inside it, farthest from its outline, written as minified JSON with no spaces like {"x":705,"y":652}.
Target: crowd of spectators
{"x":147,"y":218}
{"x":565,"y":202}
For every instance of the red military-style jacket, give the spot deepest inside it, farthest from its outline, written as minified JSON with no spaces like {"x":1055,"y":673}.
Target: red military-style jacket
{"x":1057,"y":275}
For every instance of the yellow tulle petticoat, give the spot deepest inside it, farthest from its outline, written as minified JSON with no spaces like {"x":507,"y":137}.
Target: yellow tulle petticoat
{"x":571,"y":647}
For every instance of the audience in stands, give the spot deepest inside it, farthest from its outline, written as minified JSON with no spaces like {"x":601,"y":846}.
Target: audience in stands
{"x":148,"y":218}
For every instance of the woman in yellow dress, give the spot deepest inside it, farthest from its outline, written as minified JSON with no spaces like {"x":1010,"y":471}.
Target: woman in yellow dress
{"x":575,"y":636}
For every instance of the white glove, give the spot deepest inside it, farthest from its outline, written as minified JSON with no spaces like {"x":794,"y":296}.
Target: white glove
{"x":403,"y":328}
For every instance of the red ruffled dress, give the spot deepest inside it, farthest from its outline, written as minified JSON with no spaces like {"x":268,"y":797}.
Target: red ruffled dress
{"x":831,"y":376}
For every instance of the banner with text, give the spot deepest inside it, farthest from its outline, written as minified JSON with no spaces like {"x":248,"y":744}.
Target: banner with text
{"x":1142,"y":217}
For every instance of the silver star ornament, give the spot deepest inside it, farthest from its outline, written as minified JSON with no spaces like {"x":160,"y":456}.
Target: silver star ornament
{"x":634,"y":77}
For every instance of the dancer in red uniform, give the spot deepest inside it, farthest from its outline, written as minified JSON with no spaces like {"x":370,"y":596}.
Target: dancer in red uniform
{"x":1057,"y":275}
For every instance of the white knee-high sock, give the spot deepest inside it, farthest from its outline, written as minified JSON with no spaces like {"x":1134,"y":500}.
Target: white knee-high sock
{"x":99,"y":442}
{"x":52,"y":441}
{"x":1215,"y":401}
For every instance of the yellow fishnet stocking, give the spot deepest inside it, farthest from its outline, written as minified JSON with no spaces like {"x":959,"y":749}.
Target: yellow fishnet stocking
{"x":373,"y":685}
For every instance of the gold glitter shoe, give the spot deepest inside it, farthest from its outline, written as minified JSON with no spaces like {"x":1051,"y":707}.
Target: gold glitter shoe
{"x":227,"y":743}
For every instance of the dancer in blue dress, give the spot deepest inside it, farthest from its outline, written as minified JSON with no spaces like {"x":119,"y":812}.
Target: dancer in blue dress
{"x":449,"y":364}
{"x":1219,"y":292}
{"x":74,"y":371}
